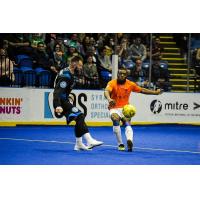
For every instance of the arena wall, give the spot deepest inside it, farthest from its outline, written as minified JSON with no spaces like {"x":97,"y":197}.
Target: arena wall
{"x":34,"y":106}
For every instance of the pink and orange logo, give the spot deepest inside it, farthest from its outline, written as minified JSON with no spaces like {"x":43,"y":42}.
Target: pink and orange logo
{"x":10,"y":105}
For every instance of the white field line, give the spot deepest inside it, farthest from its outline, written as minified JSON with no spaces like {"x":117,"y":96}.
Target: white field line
{"x":107,"y":145}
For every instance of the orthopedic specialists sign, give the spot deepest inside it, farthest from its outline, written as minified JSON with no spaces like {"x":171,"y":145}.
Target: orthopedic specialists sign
{"x":91,"y":102}
{"x":35,"y":105}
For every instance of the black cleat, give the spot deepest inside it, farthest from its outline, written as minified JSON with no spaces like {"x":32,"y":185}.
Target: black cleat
{"x":130,"y":145}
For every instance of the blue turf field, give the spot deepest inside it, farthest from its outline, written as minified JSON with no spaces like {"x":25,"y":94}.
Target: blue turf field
{"x":53,"y":145}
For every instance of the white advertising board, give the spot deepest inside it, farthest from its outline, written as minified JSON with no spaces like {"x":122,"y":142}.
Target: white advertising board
{"x":35,"y":106}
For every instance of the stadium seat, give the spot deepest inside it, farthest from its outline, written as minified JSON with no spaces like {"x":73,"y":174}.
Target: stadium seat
{"x":129,"y":64}
{"x":145,"y":65}
{"x":24,"y":61}
{"x":29,"y":78}
{"x":25,"y":64}
{"x":18,"y":77}
{"x":164,"y":65}
{"x":106,"y":75}
{"x":195,"y":43}
{"x":43,"y":77}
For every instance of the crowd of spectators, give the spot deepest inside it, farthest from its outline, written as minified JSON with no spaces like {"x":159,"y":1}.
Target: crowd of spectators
{"x":52,"y":52}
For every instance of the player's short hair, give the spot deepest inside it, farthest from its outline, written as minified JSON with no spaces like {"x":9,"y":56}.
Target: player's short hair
{"x":76,"y":59}
{"x":40,"y":43}
{"x":122,"y":68}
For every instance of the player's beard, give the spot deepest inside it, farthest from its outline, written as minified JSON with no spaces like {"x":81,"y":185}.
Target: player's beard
{"x":121,"y":81}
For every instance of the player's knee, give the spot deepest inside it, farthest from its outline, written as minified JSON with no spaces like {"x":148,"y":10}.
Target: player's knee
{"x":115,"y":119}
{"x":80,"y":118}
{"x":127,"y":123}
{"x":75,"y":112}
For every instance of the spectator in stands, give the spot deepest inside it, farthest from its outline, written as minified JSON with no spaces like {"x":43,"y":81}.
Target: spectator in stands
{"x":50,"y":42}
{"x":74,"y":41}
{"x":122,"y":51}
{"x":18,"y":44}
{"x":125,"y":43}
{"x":79,"y":77}
{"x":145,"y":37}
{"x":157,"y":50}
{"x":92,"y":42}
{"x":57,"y":62}
{"x":139,"y":74}
{"x":86,"y":44}
{"x":197,"y":62}
{"x":111,"y":44}
{"x":181,"y":40}
{"x":160,"y":76}
{"x":92,"y":51}
{"x":91,"y":73}
{"x":198,"y":57}
{"x":72,"y":52}
{"x":58,"y":58}
{"x":138,"y":50}
{"x":126,"y":57}
{"x":4,"y":45}
{"x":100,"y":41}
{"x":105,"y":60}
{"x":119,"y":51}
{"x":36,"y":38}
{"x":63,"y":45}
{"x":81,"y":37}
{"x":6,"y":69}
{"x":41,"y":58}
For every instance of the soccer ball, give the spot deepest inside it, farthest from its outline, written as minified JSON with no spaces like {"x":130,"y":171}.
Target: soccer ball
{"x":129,"y":111}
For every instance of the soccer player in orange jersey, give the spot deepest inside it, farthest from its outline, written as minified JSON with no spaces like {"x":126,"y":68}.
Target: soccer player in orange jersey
{"x":117,"y":93}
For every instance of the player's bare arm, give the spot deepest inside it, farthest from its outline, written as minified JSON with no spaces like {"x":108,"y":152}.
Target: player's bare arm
{"x":110,"y":101}
{"x":154,"y":92}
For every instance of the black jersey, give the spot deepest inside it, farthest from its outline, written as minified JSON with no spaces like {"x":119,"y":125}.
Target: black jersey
{"x":63,"y":85}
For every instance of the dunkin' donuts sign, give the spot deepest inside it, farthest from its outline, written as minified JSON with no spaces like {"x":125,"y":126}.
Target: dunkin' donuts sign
{"x":10,"y":105}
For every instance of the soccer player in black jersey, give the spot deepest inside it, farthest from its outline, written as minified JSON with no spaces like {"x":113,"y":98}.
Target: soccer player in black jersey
{"x":63,"y":85}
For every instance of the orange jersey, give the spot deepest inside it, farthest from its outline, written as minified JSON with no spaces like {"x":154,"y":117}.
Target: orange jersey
{"x":121,"y":92}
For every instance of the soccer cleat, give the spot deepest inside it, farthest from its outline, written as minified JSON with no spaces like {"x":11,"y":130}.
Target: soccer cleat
{"x":81,"y":146}
{"x":94,"y":143}
{"x":130,"y":145}
{"x":121,"y":147}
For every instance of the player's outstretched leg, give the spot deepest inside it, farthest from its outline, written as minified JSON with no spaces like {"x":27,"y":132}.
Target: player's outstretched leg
{"x":79,"y":145}
{"x":91,"y":142}
{"x":81,"y":129}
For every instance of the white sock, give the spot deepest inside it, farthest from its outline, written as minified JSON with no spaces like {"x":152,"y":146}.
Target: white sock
{"x":79,"y":140}
{"x":117,"y":131}
{"x":129,"y":133}
{"x":88,"y":137}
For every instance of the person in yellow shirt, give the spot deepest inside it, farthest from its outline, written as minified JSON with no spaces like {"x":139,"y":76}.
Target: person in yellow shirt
{"x":117,"y":92}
